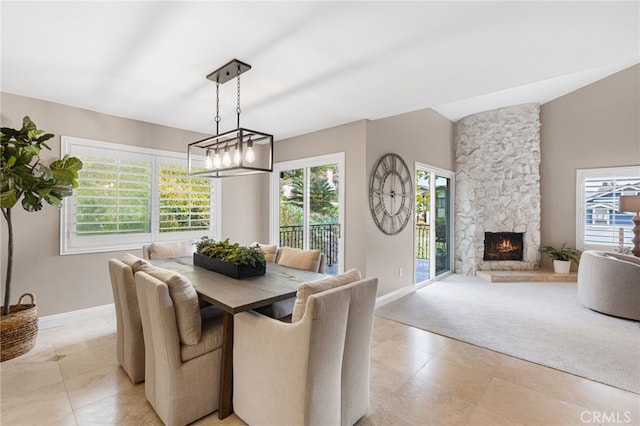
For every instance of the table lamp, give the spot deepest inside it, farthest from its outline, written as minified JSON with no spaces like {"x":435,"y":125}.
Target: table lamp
{"x":631,"y":204}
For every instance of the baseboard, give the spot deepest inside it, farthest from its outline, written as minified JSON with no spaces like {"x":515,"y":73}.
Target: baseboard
{"x":65,"y":318}
{"x":394,"y":295}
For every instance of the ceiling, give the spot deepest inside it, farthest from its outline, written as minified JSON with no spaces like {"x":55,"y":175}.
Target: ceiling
{"x":314,"y":64}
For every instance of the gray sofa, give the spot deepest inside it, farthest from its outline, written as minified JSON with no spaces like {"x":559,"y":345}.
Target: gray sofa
{"x":610,"y":283}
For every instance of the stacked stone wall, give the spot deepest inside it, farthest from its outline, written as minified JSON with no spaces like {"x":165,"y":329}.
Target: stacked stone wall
{"x":497,"y":185}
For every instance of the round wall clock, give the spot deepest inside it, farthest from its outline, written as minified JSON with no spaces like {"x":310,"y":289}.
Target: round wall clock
{"x":391,"y":194}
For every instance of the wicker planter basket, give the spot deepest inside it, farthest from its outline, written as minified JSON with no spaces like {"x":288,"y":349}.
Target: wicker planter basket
{"x":19,"y":329}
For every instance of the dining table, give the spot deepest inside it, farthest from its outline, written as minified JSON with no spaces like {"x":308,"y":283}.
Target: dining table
{"x":232,"y":296}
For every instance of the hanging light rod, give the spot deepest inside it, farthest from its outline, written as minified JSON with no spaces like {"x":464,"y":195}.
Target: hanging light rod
{"x":234,"y":152}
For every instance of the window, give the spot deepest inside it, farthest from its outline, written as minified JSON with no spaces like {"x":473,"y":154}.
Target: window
{"x":307,"y":206}
{"x":128,"y":196}
{"x":599,"y":224}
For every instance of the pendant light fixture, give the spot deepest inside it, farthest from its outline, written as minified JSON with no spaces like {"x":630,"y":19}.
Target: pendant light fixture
{"x":235,"y":152}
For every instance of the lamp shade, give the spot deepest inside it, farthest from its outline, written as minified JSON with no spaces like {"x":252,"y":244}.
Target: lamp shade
{"x":630,"y":203}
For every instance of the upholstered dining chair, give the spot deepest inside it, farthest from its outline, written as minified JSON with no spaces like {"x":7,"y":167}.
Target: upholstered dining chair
{"x":129,"y":339}
{"x":314,"y":370}
{"x":182,"y":347}
{"x":308,"y":260}
{"x":270,"y":251}
{"x":168,"y":249}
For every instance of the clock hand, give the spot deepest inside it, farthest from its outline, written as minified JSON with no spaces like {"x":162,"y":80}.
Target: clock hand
{"x":380,"y":192}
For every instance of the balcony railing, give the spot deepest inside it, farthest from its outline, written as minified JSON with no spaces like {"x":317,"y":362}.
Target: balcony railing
{"x":422,"y":241}
{"x":323,"y":237}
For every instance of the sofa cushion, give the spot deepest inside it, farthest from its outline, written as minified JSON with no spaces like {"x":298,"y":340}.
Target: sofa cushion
{"x":135,"y":263}
{"x":307,"y":260}
{"x":307,"y":289}
{"x":268,"y":250}
{"x":185,"y":303}
{"x":167,"y":250}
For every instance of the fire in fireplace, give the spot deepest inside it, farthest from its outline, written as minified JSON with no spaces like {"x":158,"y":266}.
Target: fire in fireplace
{"x":503,"y":245}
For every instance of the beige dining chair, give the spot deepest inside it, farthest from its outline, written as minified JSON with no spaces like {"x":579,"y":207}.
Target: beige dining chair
{"x":314,"y":370}
{"x":129,"y":339}
{"x":270,"y":251}
{"x":182,"y":346}
{"x":307,"y":260}
{"x":168,"y":249}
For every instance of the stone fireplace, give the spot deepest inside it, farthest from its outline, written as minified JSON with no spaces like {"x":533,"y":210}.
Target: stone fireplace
{"x":497,"y":187}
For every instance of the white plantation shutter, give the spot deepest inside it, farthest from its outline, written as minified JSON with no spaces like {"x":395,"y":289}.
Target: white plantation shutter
{"x":129,"y":196}
{"x":600,"y":223}
{"x":113,"y":196}
{"x":185,"y":202}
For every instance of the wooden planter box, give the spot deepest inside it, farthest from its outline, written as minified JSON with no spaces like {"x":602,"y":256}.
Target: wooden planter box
{"x":227,"y":268}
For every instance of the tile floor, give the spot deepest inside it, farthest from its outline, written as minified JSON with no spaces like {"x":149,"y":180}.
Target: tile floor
{"x":417,"y":378}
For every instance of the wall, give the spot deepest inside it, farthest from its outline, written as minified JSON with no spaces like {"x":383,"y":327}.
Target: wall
{"x":424,"y":136}
{"x":595,"y":126}
{"x":350,"y":139}
{"x":67,"y":283}
{"x":497,"y":185}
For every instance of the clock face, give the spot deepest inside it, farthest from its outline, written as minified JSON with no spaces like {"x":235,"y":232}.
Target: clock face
{"x":391,"y":194}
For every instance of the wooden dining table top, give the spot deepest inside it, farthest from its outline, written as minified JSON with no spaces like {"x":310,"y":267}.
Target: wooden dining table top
{"x":238,"y":295}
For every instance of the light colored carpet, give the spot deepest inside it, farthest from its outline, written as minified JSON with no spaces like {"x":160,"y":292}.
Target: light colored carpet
{"x":539,"y":322}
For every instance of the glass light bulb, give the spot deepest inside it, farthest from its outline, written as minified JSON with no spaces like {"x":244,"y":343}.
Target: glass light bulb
{"x":236,"y":156}
{"x":226,"y":158}
{"x":250,"y":156}
{"x":208,"y":161}
{"x":216,"y":160}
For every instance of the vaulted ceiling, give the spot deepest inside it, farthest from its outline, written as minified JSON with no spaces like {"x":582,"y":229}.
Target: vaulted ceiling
{"x":314,"y":64}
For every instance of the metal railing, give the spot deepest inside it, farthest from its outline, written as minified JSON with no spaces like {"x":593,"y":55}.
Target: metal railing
{"x":422,"y":241}
{"x":323,"y":237}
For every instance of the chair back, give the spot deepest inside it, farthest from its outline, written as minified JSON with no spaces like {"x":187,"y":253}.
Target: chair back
{"x":307,"y":260}
{"x":357,"y":350}
{"x":130,"y":341}
{"x":168,"y":249}
{"x":342,"y":320}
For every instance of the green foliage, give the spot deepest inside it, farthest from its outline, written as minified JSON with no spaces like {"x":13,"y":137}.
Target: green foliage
{"x":234,"y":253}
{"x":323,"y":198}
{"x":290,"y":215}
{"x":24,"y":177}
{"x":563,"y":253}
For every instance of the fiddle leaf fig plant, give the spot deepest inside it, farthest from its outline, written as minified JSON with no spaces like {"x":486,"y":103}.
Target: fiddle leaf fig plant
{"x":26,"y":179}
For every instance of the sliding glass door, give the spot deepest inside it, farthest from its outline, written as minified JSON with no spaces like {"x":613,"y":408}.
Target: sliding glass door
{"x":307,"y":206}
{"x":433,"y":227}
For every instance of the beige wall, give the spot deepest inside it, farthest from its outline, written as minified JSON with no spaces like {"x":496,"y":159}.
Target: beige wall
{"x":68,"y":283}
{"x":596,"y":126}
{"x":424,"y":136}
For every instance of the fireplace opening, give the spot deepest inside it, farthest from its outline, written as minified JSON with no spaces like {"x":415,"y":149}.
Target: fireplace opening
{"x":503,"y":245}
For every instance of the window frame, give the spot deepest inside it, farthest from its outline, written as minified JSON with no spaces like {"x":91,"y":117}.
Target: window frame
{"x":581,"y":221}
{"x":70,"y":245}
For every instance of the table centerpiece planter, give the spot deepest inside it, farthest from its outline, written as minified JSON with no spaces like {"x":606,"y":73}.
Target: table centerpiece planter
{"x":232,"y":260}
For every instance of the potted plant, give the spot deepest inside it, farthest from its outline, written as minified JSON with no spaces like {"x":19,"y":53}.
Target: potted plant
{"x":26,"y":179}
{"x":233,"y":260}
{"x":562,"y":257}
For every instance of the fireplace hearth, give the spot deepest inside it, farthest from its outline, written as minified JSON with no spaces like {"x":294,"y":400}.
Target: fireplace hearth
{"x":503,"y":245}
